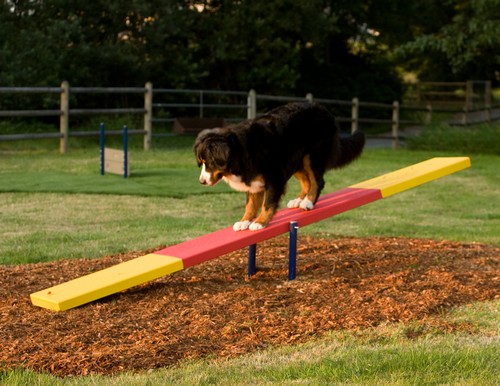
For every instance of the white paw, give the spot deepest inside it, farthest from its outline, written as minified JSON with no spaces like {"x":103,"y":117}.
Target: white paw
{"x":241,"y":225}
{"x":294,"y":203}
{"x":255,"y":226}
{"x":306,"y":204}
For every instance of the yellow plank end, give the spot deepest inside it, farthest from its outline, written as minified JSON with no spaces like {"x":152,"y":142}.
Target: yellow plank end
{"x":106,"y":282}
{"x":411,"y":176}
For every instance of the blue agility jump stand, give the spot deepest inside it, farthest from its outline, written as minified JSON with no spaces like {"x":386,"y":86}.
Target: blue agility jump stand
{"x":103,"y":151}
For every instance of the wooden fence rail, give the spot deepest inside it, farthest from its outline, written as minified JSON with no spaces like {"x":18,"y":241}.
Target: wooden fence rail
{"x":250,"y":101}
{"x":467,"y":95}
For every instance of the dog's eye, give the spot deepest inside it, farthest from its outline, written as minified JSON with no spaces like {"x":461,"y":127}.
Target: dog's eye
{"x":219,"y":175}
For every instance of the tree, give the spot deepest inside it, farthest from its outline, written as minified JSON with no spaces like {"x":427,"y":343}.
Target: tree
{"x":291,"y":47}
{"x":465,"y":46}
{"x":283,"y":46}
{"x":97,"y":42}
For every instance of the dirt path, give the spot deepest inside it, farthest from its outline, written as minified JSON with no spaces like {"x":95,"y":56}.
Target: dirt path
{"x":213,"y":309}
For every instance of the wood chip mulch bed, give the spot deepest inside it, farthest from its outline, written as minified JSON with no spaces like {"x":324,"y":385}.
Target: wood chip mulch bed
{"x":214,"y":310}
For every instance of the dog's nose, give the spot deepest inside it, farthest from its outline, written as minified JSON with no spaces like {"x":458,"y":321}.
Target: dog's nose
{"x":204,"y":180}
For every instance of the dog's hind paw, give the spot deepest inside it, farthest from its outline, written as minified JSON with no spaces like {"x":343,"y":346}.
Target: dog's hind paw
{"x":306,"y":204}
{"x":294,"y":203}
{"x":241,"y":225}
{"x":255,"y":226}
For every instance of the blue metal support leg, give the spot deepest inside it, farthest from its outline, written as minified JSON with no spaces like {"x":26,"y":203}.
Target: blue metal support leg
{"x":101,"y":144}
{"x":125,"y":151}
{"x":252,"y":251}
{"x":292,"y":251}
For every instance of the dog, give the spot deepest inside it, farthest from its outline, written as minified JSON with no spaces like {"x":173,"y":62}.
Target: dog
{"x":260,"y":155}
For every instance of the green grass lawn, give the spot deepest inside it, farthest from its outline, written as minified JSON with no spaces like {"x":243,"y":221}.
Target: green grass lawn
{"x":54,"y":207}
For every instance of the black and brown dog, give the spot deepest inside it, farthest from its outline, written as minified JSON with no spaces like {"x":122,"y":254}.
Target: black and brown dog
{"x":259,"y":156}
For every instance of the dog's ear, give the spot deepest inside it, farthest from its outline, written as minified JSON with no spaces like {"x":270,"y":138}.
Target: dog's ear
{"x":197,"y":146}
{"x":220,"y":151}
{"x":212,"y":146}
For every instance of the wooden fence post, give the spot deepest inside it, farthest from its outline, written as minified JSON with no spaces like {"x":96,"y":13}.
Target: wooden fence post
{"x":428,"y":115}
{"x":487,"y":100}
{"x":252,"y":104}
{"x":395,"y":124}
{"x":469,"y":94}
{"x":64,"y":118}
{"x":148,"y":115}
{"x":201,"y":103}
{"x":355,"y":115}
{"x":465,"y":114}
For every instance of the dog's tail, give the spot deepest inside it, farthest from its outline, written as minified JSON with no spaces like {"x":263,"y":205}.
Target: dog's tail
{"x":350,"y":148}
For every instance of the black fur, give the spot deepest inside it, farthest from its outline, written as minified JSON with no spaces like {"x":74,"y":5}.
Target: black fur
{"x":272,"y":147}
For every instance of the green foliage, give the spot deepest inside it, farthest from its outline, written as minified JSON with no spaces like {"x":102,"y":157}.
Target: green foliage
{"x":334,"y":49}
{"x":95,"y":43}
{"x":467,"y":42}
{"x":283,"y":47}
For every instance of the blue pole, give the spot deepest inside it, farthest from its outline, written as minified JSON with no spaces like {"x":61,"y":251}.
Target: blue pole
{"x":292,"y":251}
{"x":125,"y":151}
{"x":101,"y":144}
{"x":252,"y":251}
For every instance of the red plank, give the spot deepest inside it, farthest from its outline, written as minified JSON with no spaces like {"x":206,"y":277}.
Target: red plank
{"x":226,"y":240}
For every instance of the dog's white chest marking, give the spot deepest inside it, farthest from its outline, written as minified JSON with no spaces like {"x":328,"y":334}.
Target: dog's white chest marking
{"x":236,"y":183}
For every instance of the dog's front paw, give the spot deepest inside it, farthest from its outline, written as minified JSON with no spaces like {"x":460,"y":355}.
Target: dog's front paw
{"x":255,"y":226}
{"x":241,"y":225}
{"x":294,"y":203}
{"x":306,"y":204}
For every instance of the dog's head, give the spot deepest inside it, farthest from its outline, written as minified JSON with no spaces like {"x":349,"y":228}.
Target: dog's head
{"x":212,"y":149}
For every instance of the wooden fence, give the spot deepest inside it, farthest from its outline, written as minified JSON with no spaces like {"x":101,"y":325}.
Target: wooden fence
{"x":64,"y":112}
{"x":468,"y":95}
{"x":244,"y":103}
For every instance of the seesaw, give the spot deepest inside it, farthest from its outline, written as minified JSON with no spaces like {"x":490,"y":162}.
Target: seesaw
{"x":189,"y":253}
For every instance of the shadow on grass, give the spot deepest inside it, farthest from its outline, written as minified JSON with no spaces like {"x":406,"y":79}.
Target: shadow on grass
{"x":175,"y":183}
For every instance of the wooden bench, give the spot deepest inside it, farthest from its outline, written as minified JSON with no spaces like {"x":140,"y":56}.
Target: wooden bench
{"x":195,"y":125}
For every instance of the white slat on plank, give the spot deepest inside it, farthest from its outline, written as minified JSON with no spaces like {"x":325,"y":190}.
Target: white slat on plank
{"x":113,"y":161}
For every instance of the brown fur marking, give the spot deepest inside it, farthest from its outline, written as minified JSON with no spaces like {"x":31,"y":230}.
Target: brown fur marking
{"x":254,"y":202}
{"x":304,"y":183}
{"x":309,"y":186}
{"x":265,"y":216}
{"x":312,"y":194}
